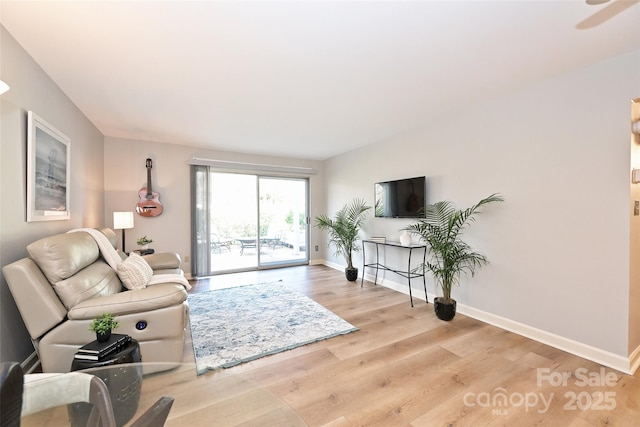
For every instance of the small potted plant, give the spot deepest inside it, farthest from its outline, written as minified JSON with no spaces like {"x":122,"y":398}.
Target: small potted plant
{"x":143,"y":242}
{"x":102,"y":326}
{"x":343,"y":231}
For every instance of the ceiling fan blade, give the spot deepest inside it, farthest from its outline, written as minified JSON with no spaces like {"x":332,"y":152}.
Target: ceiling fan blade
{"x":606,"y":13}
{"x":596,"y":2}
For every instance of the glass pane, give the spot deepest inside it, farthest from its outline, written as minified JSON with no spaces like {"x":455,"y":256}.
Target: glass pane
{"x":255,"y":221}
{"x":233,"y":221}
{"x":283,"y":220}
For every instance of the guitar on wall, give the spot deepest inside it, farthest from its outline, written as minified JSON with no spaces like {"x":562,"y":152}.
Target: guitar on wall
{"x":149,"y":204}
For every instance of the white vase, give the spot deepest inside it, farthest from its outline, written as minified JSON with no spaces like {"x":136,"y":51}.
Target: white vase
{"x":405,"y":238}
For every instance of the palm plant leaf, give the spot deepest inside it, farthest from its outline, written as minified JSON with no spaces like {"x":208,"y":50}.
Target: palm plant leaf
{"x":344,"y":227}
{"x":449,"y":255}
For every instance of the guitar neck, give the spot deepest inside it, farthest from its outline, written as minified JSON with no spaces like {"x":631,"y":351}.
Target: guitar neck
{"x":149,"y":189}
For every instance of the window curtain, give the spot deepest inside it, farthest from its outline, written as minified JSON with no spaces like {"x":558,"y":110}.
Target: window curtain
{"x":200,"y":244}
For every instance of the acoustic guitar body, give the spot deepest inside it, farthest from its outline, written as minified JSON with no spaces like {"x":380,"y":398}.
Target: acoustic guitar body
{"x":149,"y":204}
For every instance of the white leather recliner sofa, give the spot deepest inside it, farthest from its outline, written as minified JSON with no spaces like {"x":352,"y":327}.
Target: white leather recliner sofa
{"x":66,"y":282}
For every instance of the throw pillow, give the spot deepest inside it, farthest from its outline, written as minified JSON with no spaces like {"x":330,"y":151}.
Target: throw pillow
{"x":135,"y":272}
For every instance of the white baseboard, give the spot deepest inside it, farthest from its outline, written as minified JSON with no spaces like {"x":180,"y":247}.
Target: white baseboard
{"x":418,"y":293}
{"x":614,"y":361}
{"x":332,"y":265}
{"x":634,"y":360}
{"x":627,"y":365}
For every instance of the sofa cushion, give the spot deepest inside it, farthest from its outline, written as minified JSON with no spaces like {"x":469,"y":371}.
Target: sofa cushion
{"x":96,"y":280}
{"x":127,"y":302}
{"x":163,"y":261}
{"x":63,"y":255}
{"x":135,"y":272}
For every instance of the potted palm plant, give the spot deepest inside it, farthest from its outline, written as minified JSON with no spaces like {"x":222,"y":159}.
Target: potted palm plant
{"x":343,"y":231}
{"x":449,"y":256}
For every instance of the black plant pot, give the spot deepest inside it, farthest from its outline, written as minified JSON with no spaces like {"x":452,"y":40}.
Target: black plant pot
{"x":351,"y":274}
{"x":103,"y":337}
{"x":445,"y":310}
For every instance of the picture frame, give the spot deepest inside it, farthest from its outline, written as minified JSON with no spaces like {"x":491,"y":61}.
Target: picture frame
{"x":48,"y":171}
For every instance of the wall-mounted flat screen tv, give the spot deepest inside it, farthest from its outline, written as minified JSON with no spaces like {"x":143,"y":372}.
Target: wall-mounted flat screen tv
{"x":402,"y":198}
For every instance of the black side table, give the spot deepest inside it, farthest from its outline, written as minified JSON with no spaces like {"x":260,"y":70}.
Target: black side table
{"x":144,"y":251}
{"x":128,"y":354}
{"x":123,"y":381}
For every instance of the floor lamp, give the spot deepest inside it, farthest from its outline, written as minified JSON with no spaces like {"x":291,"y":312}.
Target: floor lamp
{"x":122,"y":221}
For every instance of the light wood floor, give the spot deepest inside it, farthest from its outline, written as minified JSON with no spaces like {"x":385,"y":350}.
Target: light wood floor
{"x":404,"y":367}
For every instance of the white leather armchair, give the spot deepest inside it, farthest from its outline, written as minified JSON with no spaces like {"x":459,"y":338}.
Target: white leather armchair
{"x":65,"y":282}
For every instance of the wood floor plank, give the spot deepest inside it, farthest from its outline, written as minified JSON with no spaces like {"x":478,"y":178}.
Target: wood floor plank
{"x":367,"y":385}
{"x":403,"y":367}
{"x":406,"y":367}
{"x":244,"y":409}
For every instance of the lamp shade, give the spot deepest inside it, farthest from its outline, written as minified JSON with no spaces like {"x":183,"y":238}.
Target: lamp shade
{"x":122,"y":220}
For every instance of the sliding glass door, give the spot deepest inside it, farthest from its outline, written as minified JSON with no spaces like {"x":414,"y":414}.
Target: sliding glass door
{"x":283,"y":221}
{"x":248,"y":221}
{"x":233,"y":221}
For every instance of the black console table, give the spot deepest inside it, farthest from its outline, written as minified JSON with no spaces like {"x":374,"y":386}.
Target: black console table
{"x":408,"y":274}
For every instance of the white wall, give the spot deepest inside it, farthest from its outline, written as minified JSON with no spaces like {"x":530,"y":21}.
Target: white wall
{"x":32,"y":89}
{"x":559,"y":154}
{"x":634,"y":244}
{"x":125,"y":174}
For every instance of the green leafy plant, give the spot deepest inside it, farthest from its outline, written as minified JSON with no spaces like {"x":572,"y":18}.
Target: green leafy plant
{"x":343,"y":229}
{"x":144,"y":241}
{"x":441,"y":230}
{"x":103,"y":323}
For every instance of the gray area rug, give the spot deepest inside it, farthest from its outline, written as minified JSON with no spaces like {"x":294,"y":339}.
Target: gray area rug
{"x":236,"y":325}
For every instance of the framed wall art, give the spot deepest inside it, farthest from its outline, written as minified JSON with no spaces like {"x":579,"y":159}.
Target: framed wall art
{"x":48,"y":171}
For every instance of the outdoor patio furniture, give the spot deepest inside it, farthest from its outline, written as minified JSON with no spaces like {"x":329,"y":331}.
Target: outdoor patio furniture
{"x":251,"y":242}
{"x":277,"y":240}
{"x":217,"y":244}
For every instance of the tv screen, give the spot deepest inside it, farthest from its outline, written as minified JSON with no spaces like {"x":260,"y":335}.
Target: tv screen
{"x":403,"y":198}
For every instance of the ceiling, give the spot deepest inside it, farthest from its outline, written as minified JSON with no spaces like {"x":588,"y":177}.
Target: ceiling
{"x":304,"y":79}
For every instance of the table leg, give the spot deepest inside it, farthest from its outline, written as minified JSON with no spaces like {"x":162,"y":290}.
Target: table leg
{"x":409,"y":276}
{"x":364,"y":263}
{"x":375,"y":280}
{"x":424,"y":279}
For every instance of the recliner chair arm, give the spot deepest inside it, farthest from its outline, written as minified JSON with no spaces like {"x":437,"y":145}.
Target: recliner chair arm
{"x":131,"y":302}
{"x":163,"y":260}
